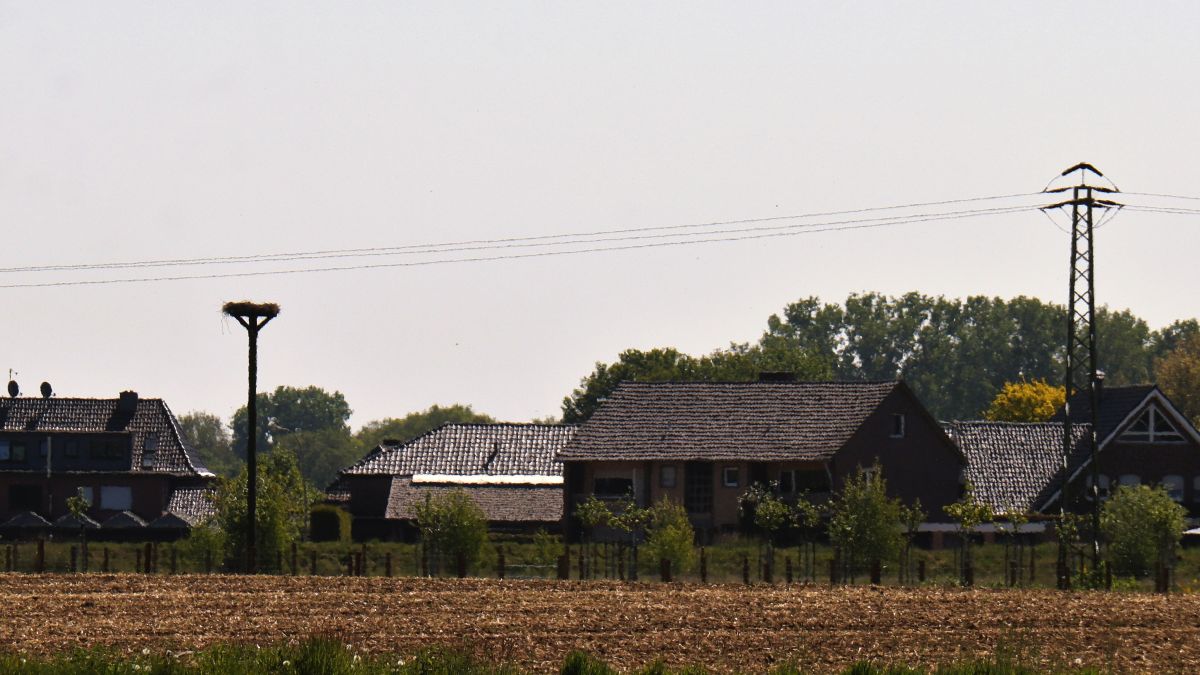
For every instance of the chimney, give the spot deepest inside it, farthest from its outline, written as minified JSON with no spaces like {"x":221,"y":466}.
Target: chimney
{"x":127,"y":403}
{"x":776,"y":376}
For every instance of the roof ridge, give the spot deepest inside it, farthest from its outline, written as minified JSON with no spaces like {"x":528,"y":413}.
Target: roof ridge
{"x":758,"y":382}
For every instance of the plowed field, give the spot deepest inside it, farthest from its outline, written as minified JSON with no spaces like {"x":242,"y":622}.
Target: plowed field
{"x":534,"y":624}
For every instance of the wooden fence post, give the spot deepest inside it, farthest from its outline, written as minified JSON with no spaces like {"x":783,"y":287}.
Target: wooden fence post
{"x":745,"y":569}
{"x":86,"y":556}
{"x":500,"y":562}
{"x":1013,"y":571}
{"x":768,"y":571}
{"x":40,"y":561}
{"x":74,"y":560}
{"x":174,"y":561}
{"x":703,"y":565}
{"x":278,"y":561}
{"x":362,"y":561}
{"x":876,"y":573}
{"x":295,"y":559}
{"x":146,"y":566}
{"x":787,"y":569}
{"x":349,"y":563}
{"x":461,"y":561}
{"x":137,"y":565}
{"x":833,"y":577}
{"x":8,"y":566}
{"x":207,"y":560}
{"x":582,"y":563}
{"x":387,"y":564}
{"x":312,"y":562}
{"x":104,"y":565}
{"x":564,"y":567}
{"x":664,"y":570}
{"x":621,"y":561}
{"x":921,"y":571}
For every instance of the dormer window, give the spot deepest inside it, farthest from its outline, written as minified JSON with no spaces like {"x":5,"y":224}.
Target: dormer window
{"x":148,"y":451}
{"x":1152,"y":427}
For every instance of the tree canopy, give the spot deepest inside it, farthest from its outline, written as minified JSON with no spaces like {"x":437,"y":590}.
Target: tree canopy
{"x":205,"y":433}
{"x":956,"y":354}
{"x":1034,"y":401}
{"x":1179,"y":376}
{"x":291,"y":410}
{"x":414,"y":424}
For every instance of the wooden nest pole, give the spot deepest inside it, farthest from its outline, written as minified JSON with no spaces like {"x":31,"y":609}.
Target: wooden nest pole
{"x":252,"y":316}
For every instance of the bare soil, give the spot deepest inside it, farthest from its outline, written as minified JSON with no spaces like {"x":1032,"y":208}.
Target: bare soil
{"x":534,"y":624}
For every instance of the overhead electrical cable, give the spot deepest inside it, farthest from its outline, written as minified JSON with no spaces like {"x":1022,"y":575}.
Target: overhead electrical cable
{"x":833,"y":227}
{"x":483,"y":244}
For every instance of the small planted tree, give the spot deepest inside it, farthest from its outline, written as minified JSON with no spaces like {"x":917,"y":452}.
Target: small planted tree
{"x":281,"y":514}
{"x":769,"y":513}
{"x":453,"y":525}
{"x":78,"y":507}
{"x":864,"y":524}
{"x":1143,"y":526}
{"x":911,"y":517}
{"x":591,"y":514}
{"x":1014,"y":550}
{"x":669,"y":535}
{"x":632,"y":519}
{"x":967,"y":513}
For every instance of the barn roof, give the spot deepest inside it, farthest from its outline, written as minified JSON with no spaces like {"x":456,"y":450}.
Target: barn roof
{"x":141,"y":418}
{"x":707,"y":420}
{"x":502,"y":502}
{"x":472,"y":449}
{"x":1015,"y":466}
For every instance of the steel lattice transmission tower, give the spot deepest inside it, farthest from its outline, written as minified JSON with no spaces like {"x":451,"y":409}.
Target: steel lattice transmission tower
{"x":1082,"y":370}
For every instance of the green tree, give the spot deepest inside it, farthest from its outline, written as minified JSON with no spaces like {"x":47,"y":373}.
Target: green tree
{"x":1143,"y":526}
{"x":281,"y":515}
{"x":207,"y":435}
{"x":1026,"y":401}
{"x":414,"y":424}
{"x":453,"y":524}
{"x":1165,"y":340}
{"x":864,"y":522}
{"x":1178,"y":374}
{"x":669,"y":535}
{"x":291,"y":410}
{"x":320,"y":454}
{"x":1123,"y":347}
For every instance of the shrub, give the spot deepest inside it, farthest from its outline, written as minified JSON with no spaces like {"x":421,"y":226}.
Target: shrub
{"x":281,"y":514}
{"x":669,"y":535}
{"x":453,"y":524}
{"x":329,"y":523}
{"x":1143,"y":525}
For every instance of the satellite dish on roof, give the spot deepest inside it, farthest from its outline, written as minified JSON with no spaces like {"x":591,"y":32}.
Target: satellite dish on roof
{"x":47,"y":390}
{"x":14,"y":389}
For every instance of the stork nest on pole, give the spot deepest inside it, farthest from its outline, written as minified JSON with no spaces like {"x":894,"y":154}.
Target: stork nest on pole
{"x":251,"y":310}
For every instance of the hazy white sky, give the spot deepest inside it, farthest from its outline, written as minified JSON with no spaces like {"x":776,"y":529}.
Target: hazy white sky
{"x":133,"y":131}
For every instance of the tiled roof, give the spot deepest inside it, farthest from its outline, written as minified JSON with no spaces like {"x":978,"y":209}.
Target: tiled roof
{"x":73,"y":523}
{"x":193,"y":504}
{"x":150,"y":416}
{"x":500,"y":503}
{"x":1115,"y":405}
{"x":703,"y":420}
{"x":25,"y":520}
{"x":472,"y":449}
{"x":1015,"y":466}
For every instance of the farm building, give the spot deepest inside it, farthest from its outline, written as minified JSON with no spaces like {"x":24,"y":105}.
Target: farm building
{"x":510,"y":470}
{"x":1141,"y":439}
{"x":702,"y":444}
{"x":124,"y":455}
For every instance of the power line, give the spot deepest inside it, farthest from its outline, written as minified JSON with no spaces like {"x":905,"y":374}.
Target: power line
{"x":1157,"y":194}
{"x":395,"y":251}
{"x":483,"y":244}
{"x":519,"y":256}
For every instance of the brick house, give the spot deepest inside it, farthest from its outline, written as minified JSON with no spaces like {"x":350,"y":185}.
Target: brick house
{"x":1141,"y":439}
{"x":703,"y":444}
{"x":125,"y":455}
{"x":510,"y":470}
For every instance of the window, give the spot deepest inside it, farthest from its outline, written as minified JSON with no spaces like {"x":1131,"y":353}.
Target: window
{"x":116,"y":497}
{"x":43,"y":447}
{"x":1129,"y":480}
{"x":18,"y":451}
{"x":88,"y":495}
{"x":787,"y":481}
{"x":730,"y":476}
{"x":612,"y":488}
{"x":1152,"y":427}
{"x":1104,"y":485}
{"x":1174,"y":486}
{"x":898,"y":425}
{"x":148,"y":450}
{"x":71,"y":449}
{"x":666,"y":476}
{"x":5,"y":451}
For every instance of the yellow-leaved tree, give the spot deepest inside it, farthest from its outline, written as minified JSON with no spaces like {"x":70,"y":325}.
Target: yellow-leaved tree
{"x":1026,"y":401}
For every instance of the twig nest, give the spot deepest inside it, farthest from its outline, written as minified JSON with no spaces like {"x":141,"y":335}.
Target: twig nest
{"x":247,"y":309}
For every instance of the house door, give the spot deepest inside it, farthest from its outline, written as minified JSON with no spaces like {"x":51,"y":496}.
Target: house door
{"x":698,"y":487}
